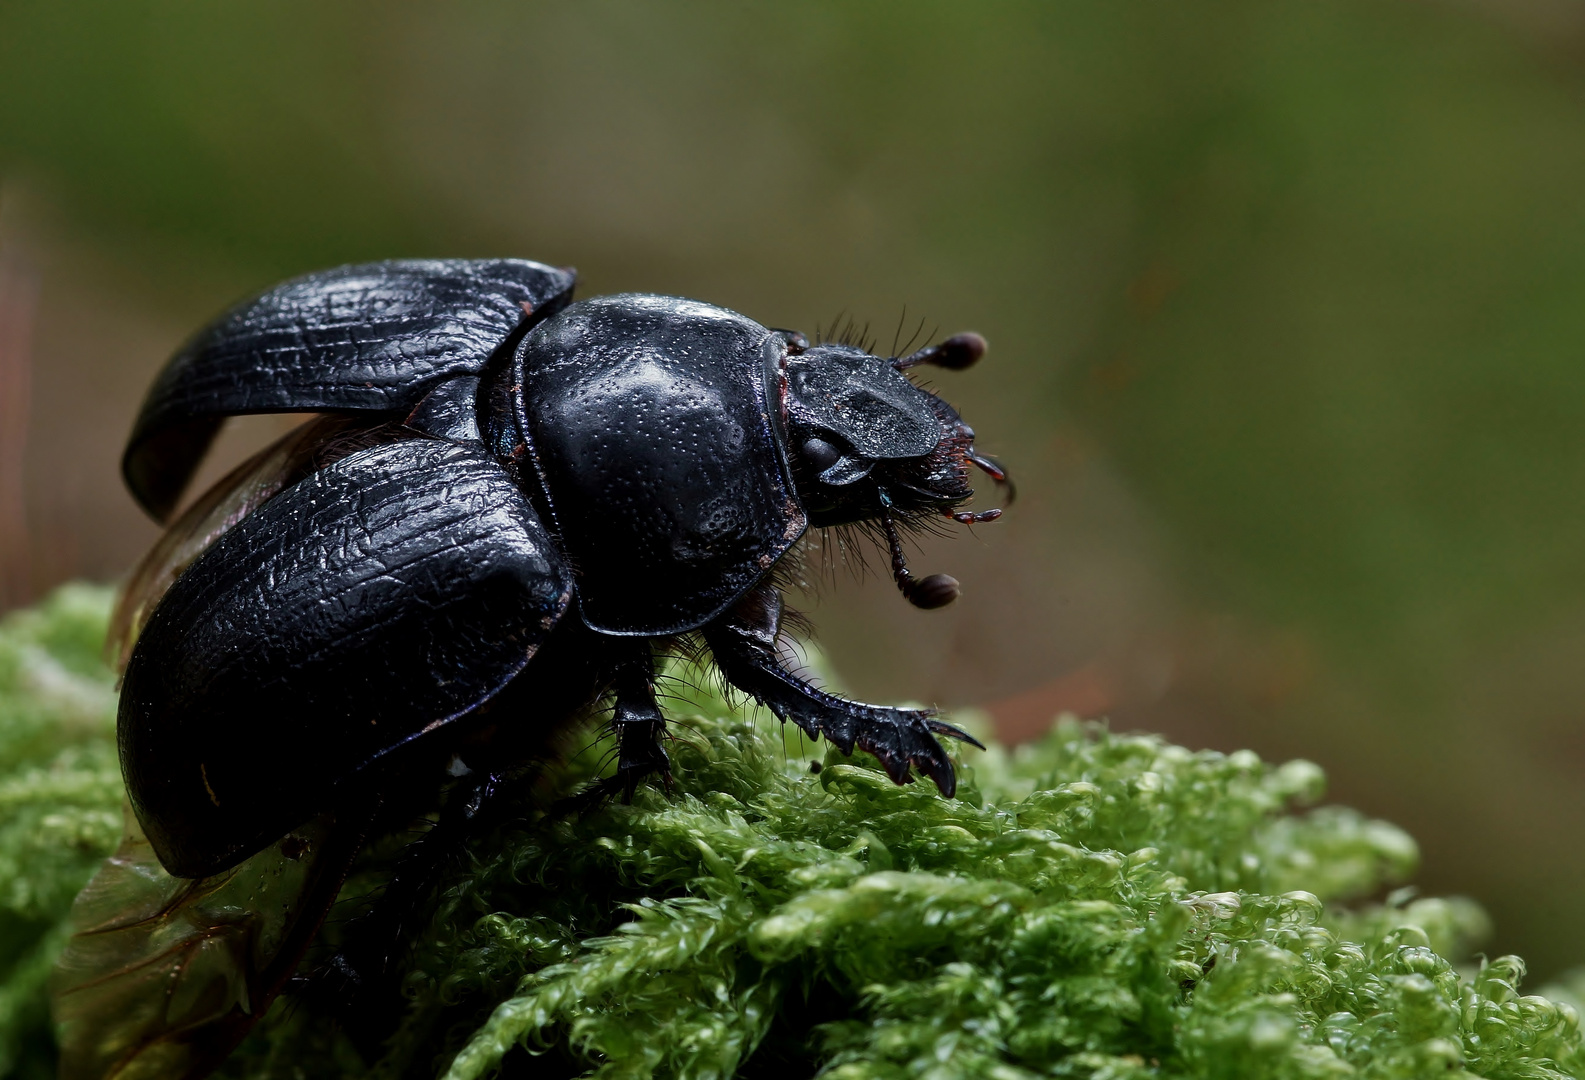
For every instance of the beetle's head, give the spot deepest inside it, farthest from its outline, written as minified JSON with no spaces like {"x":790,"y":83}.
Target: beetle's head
{"x":866,"y":444}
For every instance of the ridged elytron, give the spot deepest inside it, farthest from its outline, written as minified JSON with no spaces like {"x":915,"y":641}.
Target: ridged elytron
{"x":512,"y":503}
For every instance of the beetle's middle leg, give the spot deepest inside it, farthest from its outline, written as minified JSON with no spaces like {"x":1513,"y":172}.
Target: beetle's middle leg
{"x":743,"y":642}
{"x":357,"y":983}
{"x":639,"y":725}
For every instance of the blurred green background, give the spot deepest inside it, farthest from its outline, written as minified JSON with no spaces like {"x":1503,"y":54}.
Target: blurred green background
{"x":1286,"y":303}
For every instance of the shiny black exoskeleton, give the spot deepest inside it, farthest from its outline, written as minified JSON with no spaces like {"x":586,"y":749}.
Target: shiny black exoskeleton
{"x":512,"y":502}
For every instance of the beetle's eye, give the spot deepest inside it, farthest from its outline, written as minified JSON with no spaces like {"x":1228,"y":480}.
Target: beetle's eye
{"x":796,"y":342}
{"x":820,"y":454}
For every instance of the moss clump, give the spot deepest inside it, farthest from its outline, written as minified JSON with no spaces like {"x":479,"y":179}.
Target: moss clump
{"x":1095,"y":905}
{"x":60,"y":800}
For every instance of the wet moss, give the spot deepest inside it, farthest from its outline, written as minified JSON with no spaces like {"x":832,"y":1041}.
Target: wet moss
{"x":1094,"y":905}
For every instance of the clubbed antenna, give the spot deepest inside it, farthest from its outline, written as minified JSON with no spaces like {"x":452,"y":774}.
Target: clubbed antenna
{"x":954,"y":354}
{"x":937,"y":590}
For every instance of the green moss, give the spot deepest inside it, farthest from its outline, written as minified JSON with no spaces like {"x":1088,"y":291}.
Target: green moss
{"x":1095,"y":905}
{"x":60,"y":800}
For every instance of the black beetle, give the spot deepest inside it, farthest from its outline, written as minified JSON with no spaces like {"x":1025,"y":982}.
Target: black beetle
{"x":513,"y":504}
{"x":630,"y":465}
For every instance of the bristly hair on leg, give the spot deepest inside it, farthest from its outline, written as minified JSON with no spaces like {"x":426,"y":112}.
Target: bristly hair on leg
{"x":689,"y":648}
{"x":680,"y":732}
{"x":822,"y":556}
{"x":817,"y":559}
{"x":692,"y":650}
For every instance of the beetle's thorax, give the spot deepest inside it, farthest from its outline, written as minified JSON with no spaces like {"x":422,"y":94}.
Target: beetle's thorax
{"x":647,"y":426}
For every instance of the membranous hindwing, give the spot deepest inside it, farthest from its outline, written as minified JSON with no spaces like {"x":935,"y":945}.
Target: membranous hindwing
{"x":653,"y":431}
{"x":162,"y":976}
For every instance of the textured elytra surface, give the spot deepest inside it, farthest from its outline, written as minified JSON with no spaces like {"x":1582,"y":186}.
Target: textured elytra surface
{"x":1062,"y":918}
{"x":370,"y":337}
{"x":394,"y":589}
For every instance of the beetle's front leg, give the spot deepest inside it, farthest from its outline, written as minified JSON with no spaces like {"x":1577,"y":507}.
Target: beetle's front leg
{"x":744,"y":644}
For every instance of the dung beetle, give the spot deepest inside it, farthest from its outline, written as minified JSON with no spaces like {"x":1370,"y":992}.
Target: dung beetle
{"x":510,"y":505}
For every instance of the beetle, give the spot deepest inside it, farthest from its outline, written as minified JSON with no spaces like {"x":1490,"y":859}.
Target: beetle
{"x":510,"y":505}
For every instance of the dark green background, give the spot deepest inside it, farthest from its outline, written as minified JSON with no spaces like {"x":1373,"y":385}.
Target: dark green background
{"x":1286,"y":300}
